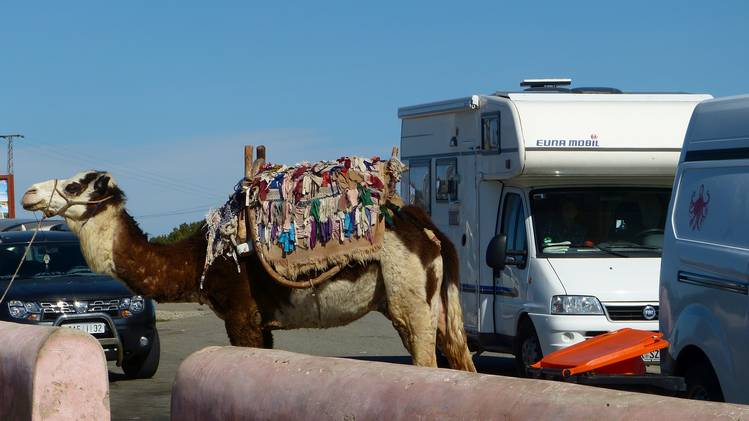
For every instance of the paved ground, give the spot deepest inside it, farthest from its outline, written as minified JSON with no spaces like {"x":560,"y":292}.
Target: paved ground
{"x":186,"y":328}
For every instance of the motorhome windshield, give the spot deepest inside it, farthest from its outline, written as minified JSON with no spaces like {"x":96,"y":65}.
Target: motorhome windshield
{"x":599,"y":222}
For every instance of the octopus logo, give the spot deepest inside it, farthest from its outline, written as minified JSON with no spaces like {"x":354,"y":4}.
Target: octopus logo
{"x":698,"y":207}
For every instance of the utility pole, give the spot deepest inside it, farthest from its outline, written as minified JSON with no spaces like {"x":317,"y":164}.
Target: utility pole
{"x":9,"y":138}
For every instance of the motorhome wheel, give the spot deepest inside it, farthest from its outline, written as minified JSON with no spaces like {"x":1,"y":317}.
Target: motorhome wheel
{"x":528,"y":347}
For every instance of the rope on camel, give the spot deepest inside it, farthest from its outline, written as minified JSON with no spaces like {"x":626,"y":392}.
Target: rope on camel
{"x":68,"y":204}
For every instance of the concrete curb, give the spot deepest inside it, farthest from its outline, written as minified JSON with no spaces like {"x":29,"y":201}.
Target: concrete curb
{"x":51,"y":373}
{"x":220,"y":383}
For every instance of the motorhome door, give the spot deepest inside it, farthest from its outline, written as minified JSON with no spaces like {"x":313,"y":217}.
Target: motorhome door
{"x":511,"y":282}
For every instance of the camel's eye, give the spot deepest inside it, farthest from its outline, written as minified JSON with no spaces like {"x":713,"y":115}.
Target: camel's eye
{"x":73,"y":188}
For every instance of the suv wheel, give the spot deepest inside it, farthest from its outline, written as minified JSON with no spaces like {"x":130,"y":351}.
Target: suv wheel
{"x":527,"y":348}
{"x":145,"y":366}
{"x":702,"y":383}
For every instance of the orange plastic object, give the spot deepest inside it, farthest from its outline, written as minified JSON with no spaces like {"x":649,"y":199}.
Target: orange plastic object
{"x":611,"y":353}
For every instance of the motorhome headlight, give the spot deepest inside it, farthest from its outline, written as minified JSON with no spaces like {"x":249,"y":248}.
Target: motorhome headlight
{"x":575,"y":304}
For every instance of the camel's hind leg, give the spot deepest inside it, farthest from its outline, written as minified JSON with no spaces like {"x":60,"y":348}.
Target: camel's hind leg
{"x":418,"y":333}
{"x":408,"y":307}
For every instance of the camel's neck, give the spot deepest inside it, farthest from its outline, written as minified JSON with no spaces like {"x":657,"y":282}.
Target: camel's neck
{"x":113,"y":244}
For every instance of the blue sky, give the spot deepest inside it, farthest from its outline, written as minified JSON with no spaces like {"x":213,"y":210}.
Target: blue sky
{"x":164,"y":94}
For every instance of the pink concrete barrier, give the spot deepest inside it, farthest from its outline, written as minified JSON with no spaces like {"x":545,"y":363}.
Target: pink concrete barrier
{"x":51,"y":373}
{"x":229,"y":383}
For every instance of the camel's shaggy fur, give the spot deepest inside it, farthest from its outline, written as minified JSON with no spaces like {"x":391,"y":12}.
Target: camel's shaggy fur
{"x":413,"y":281}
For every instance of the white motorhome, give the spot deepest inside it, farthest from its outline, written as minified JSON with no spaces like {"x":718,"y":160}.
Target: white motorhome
{"x":705,"y":268}
{"x":564,"y":191}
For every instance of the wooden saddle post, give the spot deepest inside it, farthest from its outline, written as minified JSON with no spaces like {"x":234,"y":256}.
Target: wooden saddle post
{"x":251,"y":168}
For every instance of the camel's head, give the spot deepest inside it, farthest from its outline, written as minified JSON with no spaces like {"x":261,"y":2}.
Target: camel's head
{"x":79,"y":197}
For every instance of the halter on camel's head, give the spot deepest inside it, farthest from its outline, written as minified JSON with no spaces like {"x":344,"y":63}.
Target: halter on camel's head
{"x":78,"y":198}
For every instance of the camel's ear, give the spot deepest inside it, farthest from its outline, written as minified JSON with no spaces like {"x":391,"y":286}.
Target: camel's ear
{"x":101,"y":185}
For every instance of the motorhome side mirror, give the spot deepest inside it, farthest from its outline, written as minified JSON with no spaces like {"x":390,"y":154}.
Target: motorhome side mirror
{"x":496,"y":252}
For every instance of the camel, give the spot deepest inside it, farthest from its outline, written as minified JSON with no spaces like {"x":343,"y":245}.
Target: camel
{"x":413,"y":281}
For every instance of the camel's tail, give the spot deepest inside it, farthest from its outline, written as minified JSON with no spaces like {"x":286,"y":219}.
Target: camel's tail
{"x":451,"y":335}
{"x":452,"y":340}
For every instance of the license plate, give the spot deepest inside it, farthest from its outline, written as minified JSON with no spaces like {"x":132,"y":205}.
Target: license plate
{"x":652,"y":357}
{"x":86,"y":327}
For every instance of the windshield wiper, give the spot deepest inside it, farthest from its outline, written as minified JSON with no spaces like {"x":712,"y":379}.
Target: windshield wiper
{"x":642,"y":247}
{"x":612,"y":252}
{"x":634,"y":247}
{"x":589,"y":246}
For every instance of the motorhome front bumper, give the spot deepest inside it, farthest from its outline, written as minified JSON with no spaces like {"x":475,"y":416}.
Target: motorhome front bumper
{"x":556,"y":332}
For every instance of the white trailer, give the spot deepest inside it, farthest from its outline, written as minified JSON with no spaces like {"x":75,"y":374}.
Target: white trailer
{"x":570,"y":186}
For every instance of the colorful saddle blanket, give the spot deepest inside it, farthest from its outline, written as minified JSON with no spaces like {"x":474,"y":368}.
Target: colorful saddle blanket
{"x":311,"y":216}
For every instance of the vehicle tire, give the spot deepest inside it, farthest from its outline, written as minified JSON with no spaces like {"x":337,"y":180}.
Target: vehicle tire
{"x":527,"y":347}
{"x":702,"y":383}
{"x":144,"y":367}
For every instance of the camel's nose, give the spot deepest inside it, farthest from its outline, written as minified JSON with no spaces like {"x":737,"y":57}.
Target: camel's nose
{"x":30,"y":198}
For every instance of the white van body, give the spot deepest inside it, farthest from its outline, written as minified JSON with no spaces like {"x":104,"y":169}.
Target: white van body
{"x":705,"y":266}
{"x":509,"y":162}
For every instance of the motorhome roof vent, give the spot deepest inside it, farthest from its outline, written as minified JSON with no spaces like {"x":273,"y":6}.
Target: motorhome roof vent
{"x":550,"y":85}
{"x":595,"y":90}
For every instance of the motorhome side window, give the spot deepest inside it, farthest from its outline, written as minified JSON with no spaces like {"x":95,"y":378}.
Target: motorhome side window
{"x":447,"y":179}
{"x":600,"y":222}
{"x":513,"y":222}
{"x":490,"y":132}
{"x":419,"y":176}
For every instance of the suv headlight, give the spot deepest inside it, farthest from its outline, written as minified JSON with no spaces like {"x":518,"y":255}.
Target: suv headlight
{"x":575,"y":304}
{"x":137,"y":304}
{"x":132,"y":305}
{"x":22,"y":310}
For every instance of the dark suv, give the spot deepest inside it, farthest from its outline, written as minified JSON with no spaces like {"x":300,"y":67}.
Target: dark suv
{"x":55,"y":287}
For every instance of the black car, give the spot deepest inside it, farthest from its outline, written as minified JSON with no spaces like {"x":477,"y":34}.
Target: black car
{"x":28,"y":224}
{"x":55,"y":287}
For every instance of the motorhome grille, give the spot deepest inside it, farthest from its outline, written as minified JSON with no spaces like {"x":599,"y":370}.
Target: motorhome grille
{"x":625,"y":313}
{"x":52,"y":310}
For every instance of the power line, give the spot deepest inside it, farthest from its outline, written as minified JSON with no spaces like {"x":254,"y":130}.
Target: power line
{"x":9,"y":138}
{"x":141,"y":171}
{"x":125,"y":173}
{"x":128,"y":173}
{"x":188,"y":211}
{"x":122,"y":170}
{"x":183,"y":211}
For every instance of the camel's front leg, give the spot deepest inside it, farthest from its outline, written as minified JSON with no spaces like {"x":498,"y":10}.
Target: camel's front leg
{"x":243,"y":323}
{"x":244,"y":333}
{"x":240,"y":312}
